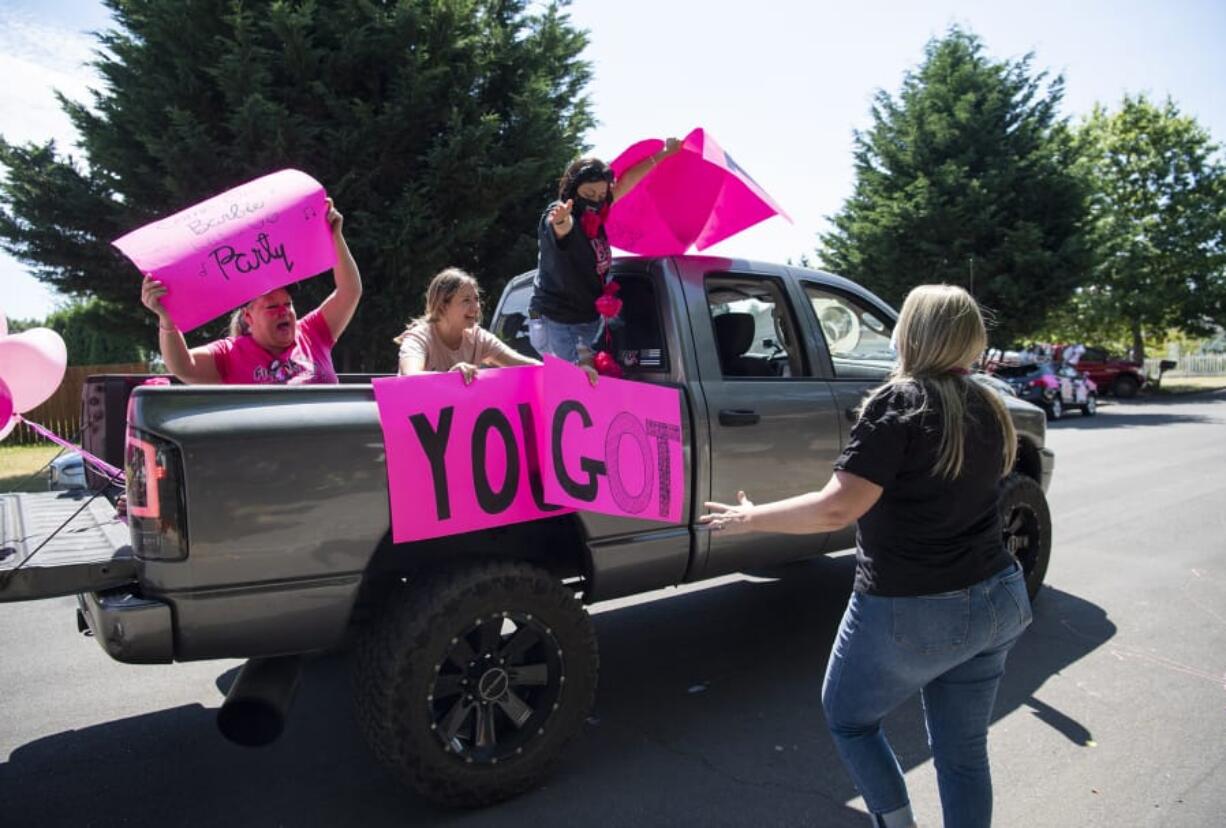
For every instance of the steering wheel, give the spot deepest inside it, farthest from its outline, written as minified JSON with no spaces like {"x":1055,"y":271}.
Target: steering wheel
{"x":841,"y":327}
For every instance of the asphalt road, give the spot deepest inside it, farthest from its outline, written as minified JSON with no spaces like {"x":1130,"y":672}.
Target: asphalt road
{"x":1113,"y":710}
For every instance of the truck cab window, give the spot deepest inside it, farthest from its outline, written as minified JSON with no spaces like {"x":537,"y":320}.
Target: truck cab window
{"x":857,"y":336}
{"x":640,"y":342}
{"x":512,"y":323}
{"x":638,"y":336}
{"x":752,"y":328}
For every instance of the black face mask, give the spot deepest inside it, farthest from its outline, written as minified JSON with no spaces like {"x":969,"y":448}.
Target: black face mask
{"x":583,"y":205}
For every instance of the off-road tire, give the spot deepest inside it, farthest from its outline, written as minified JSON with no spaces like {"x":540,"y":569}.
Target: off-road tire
{"x":397,"y":672}
{"x":1026,"y":522}
{"x":1091,"y":406}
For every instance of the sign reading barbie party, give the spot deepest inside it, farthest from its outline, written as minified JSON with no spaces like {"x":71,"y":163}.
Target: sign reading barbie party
{"x":225,"y":251}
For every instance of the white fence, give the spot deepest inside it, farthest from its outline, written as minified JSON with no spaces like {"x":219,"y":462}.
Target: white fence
{"x":1207,"y":365}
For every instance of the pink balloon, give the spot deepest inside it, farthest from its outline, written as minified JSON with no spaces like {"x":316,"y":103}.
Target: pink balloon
{"x":6,"y":403}
{"x":8,"y":427}
{"x":32,"y":364}
{"x":7,"y":417}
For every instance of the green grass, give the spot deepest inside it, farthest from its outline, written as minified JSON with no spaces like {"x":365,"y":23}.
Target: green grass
{"x":1190,"y":385}
{"x":17,"y":463}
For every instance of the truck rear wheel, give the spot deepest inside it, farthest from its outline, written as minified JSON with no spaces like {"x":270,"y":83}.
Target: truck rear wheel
{"x":473,"y":679}
{"x":1026,"y":522}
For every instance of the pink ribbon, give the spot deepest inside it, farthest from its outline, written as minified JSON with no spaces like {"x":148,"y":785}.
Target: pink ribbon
{"x":97,"y":462}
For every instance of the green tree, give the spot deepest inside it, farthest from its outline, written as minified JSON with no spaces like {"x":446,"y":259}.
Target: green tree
{"x":439,"y":126}
{"x":87,"y":332}
{"x":1158,"y":223}
{"x":966,"y":177}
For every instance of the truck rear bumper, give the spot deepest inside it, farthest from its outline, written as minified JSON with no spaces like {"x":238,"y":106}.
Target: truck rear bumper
{"x":1047,"y":461}
{"x":131,"y":629}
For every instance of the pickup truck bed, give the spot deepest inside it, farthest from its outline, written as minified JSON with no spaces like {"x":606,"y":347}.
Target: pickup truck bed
{"x":92,"y":552}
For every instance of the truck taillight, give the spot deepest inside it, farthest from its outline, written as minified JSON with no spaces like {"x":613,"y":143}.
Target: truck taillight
{"x":156,"y":516}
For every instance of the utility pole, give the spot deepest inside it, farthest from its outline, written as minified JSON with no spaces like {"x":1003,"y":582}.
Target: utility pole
{"x":972,"y":264}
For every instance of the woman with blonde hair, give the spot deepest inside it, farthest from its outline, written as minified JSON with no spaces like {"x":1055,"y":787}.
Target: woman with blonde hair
{"x":938,"y":601}
{"x":449,"y":336}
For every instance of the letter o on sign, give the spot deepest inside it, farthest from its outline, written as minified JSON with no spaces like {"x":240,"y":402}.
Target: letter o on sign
{"x":625,"y":425}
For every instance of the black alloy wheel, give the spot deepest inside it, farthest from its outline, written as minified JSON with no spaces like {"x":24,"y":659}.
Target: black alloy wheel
{"x":473,"y":678}
{"x":496,"y":687}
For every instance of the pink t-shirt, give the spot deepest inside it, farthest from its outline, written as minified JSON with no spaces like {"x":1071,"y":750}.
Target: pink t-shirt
{"x":477,"y":346}
{"x":240,"y":361}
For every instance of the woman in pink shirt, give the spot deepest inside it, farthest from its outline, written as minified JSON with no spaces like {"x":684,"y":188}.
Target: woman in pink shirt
{"x":268,"y":343}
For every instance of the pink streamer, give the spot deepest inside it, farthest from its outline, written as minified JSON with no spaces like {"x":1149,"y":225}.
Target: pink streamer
{"x":97,"y":462}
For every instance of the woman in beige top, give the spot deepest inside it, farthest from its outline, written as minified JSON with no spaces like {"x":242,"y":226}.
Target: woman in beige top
{"x":449,"y":337}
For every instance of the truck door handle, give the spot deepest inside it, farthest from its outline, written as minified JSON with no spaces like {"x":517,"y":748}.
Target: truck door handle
{"x":738,"y":417}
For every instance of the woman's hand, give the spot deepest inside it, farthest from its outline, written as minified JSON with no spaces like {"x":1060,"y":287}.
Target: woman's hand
{"x":731,"y":520}
{"x":467,"y":370}
{"x":335,"y":219}
{"x":560,"y":218}
{"x":151,"y":293}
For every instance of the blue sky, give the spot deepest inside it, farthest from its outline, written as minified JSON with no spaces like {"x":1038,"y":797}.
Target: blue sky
{"x":780,"y":87}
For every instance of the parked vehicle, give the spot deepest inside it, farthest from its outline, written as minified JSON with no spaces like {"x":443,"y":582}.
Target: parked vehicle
{"x":1001,"y":386}
{"x":1120,"y":377}
{"x":258,"y":525}
{"x":1052,"y":389}
{"x":66,"y":472}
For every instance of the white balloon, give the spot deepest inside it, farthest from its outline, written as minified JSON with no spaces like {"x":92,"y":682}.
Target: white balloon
{"x":32,"y":364}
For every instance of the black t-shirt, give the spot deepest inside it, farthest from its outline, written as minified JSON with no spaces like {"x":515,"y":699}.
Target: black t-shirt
{"x":926,"y":534}
{"x":569,"y":273}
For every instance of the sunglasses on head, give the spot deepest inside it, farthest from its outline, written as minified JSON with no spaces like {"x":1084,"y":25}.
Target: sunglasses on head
{"x":590,"y":173}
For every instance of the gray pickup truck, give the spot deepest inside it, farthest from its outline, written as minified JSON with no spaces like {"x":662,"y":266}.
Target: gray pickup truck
{"x":257,"y":526}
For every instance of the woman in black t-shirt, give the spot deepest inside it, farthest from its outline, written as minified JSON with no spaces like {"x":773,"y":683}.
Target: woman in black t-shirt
{"x":574,"y":264}
{"x":938,"y":602}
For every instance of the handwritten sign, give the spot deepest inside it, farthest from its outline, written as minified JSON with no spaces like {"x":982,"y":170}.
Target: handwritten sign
{"x":462,"y":458}
{"x":615,"y":448}
{"x":225,"y":251}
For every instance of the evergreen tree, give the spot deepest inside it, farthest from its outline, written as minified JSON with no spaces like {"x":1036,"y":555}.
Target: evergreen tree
{"x":966,"y":177}
{"x":1158,"y":223}
{"x":439,"y":127}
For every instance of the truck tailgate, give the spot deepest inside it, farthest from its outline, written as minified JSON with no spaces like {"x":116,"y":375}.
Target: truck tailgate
{"x":91,"y":553}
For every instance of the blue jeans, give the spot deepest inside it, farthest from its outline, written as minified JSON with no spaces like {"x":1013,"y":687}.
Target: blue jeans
{"x":560,"y":338}
{"x":951,"y":647}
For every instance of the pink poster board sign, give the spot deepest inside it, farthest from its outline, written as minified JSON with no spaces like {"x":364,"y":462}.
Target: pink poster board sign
{"x":225,"y":251}
{"x":615,"y":448}
{"x":695,"y":197}
{"x":461,"y":458}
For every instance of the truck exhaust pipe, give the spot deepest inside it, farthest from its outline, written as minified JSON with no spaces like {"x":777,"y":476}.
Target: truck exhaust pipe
{"x":255,"y":709}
